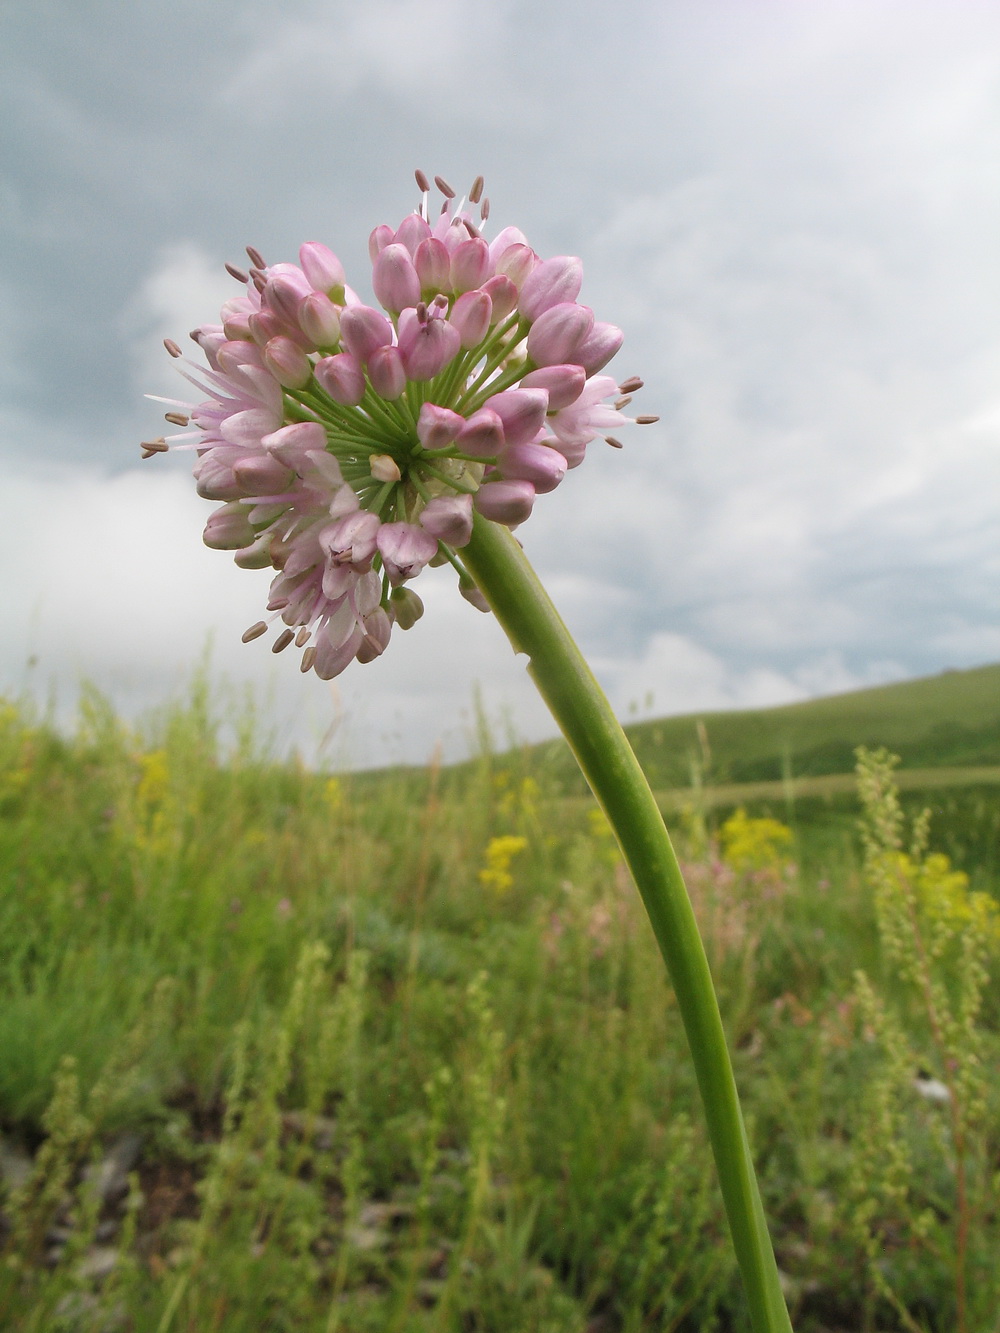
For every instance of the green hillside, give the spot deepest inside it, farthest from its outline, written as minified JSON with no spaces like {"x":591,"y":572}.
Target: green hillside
{"x":951,"y":720}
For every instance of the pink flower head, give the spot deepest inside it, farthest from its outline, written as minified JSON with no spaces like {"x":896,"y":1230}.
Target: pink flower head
{"x":350,"y":446}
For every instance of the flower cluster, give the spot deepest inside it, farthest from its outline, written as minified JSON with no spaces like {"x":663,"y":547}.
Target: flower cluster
{"x":350,"y":445}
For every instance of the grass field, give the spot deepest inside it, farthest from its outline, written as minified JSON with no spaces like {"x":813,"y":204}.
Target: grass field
{"x":281,"y":1050}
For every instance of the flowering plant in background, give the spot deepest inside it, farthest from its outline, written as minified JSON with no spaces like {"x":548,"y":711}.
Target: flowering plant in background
{"x":351,"y":445}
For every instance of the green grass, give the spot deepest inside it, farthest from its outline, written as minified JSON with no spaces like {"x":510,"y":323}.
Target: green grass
{"x":376,"y":1092}
{"x":949,"y":720}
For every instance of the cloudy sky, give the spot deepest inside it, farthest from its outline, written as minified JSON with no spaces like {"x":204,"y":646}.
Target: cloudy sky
{"x":792,"y":208}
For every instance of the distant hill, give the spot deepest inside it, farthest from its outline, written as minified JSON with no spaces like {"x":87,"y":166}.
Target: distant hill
{"x":951,"y":720}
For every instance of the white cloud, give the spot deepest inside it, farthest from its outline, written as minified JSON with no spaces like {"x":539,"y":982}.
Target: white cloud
{"x":184,"y":288}
{"x":676,"y":675}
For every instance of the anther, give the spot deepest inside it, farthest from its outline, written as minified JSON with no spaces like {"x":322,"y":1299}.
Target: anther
{"x":308,"y":658}
{"x":476,"y":193}
{"x":256,"y":258}
{"x":444,"y":187}
{"x":302,"y":638}
{"x":254,"y":632}
{"x":195,"y":336}
{"x":615,"y":444}
{"x":176,"y":418}
{"x":484,"y":210}
{"x":622,"y":402}
{"x":151,"y":447}
{"x":422,"y":182}
{"x":282,"y":641}
{"x":471,"y":228}
{"x":646,"y":421}
{"x":236,"y":273}
{"x":172,"y":347}
{"x":421,"y":311}
{"x":632,"y":385}
{"x":258,"y":278}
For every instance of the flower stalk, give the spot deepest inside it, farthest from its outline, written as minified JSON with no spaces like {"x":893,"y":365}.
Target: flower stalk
{"x":494,"y":558}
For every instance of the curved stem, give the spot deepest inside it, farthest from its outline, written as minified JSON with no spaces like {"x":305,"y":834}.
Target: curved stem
{"x":495,"y":560}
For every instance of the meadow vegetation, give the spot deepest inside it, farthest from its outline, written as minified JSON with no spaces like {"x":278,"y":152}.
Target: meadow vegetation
{"x":281,"y":1050}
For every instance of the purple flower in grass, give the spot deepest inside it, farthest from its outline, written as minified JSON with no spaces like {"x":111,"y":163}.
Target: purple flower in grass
{"x":349,"y":446}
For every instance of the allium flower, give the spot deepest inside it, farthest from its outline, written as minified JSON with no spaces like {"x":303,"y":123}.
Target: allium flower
{"x":349,"y":447}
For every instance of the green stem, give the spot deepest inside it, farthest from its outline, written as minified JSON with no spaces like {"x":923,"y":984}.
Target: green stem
{"x":533,"y":625}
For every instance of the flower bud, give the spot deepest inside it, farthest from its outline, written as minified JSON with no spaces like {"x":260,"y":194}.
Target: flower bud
{"x":564,"y":384}
{"x":265,"y":325}
{"x":553,"y":282}
{"x":262,"y":474}
{"x":405,"y":549}
{"x":504,"y":239}
{"x":362,"y":329}
{"x":411,"y":232}
{"x":482,"y":435}
{"x":214,"y":475}
{"x":470,"y":265}
{"x":394,"y":279}
{"x":235,"y":315}
{"x":522,"y":412}
{"x":285,"y":288}
{"x":537,"y":463}
{"x":323,"y":269}
{"x":574,"y":453}
{"x":448,"y":518}
{"x":472,"y":595}
{"x":378,"y":240}
{"x":507,"y":502}
{"x":600,"y":345}
{"x":342,"y":378}
{"x":516,"y":262}
{"x":257,"y":555}
{"x":288,"y":363}
{"x":472,"y":316}
{"x":405,"y":607}
{"x":503,"y":295}
{"x":319,"y":320}
{"x":437,"y":426}
{"x":385,"y":370}
{"x":229,"y":528}
{"x":558,"y":331}
{"x":433,"y":265}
